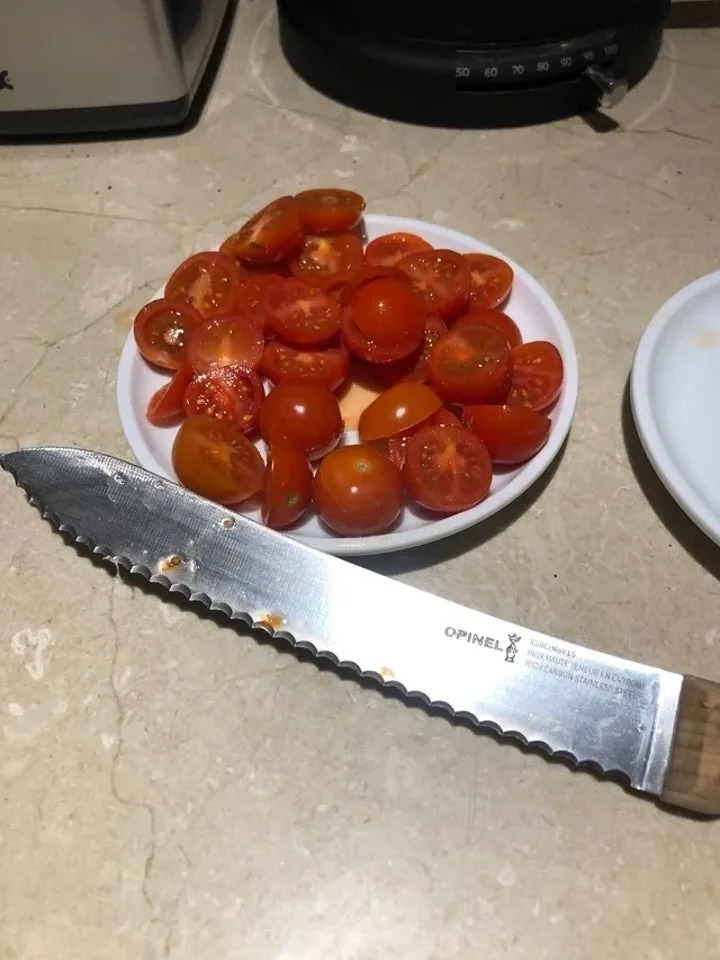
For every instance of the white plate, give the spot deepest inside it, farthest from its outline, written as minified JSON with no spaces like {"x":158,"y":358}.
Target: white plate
{"x":530,"y":306}
{"x":675,"y":395}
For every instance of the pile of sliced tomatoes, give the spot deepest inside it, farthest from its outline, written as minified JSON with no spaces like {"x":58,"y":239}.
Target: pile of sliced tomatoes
{"x":263,"y":334}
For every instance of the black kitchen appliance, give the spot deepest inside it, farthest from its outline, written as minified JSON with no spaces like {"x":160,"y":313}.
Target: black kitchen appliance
{"x":473,"y":63}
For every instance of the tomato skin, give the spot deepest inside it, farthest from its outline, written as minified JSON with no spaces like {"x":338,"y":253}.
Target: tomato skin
{"x":511,"y":434}
{"x":490,"y":317}
{"x":446,"y":469}
{"x":305,"y":413}
{"x":208,"y":281}
{"x":162,"y":330}
{"x":368,"y":349}
{"x":471,"y":365}
{"x":358,"y":278}
{"x":327,"y":366}
{"x":389,"y":249}
{"x":357,"y":491}
{"x":441,"y":278}
{"x":389,"y":313}
{"x":537,"y":377}
{"x":288,"y":485}
{"x":272,"y":234}
{"x":398,"y":409}
{"x":166,"y":404}
{"x":216,"y":460}
{"x":319,"y":257}
{"x":300,"y":314}
{"x":491,"y":279}
{"x":249,"y":297}
{"x":225,"y":341}
{"x":231,"y":394}
{"x":329,"y":210}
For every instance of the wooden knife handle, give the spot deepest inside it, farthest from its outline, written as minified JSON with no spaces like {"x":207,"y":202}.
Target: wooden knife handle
{"x":693,"y":778}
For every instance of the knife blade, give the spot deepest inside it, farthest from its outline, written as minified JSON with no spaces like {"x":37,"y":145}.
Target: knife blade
{"x":660,"y":731}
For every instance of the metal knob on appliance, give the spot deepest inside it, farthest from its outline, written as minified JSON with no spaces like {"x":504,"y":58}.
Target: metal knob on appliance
{"x":612,"y":88}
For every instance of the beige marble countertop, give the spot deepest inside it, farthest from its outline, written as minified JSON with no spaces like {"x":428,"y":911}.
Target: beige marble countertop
{"x":172,"y":788}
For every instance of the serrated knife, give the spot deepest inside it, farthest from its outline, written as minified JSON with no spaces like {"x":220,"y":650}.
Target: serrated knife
{"x":658,"y":730}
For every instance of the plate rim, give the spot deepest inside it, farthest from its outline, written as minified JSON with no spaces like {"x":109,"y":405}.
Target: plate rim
{"x":651,"y":436}
{"x":444,"y":526}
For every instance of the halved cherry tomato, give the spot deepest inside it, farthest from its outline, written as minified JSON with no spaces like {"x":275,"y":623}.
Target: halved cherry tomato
{"x":368,"y":349}
{"x":305,"y":413}
{"x":441,"y":278}
{"x":319,"y":257}
{"x":491,"y":279}
{"x":288,"y":485}
{"x":162,"y":330}
{"x":270,"y":235}
{"x":301,"y":314}
{"x":326,"y":366}
{"x":397,"y":445}
{"x":216,"y":460}
{"x":388,"y":250}
{"x":329,"y":211}
{"x":357,"y":491}
{"x":471,"y":365}
{"x":207,"y":281}
{"x":398,"y":409}
{"x":225,"y":341}
{"x":358,"y":278}
{"x":334,"y":285}
{"x":166,"y":404}
{"x":511,"y":434}
{"x":248,"y":270}
{"x":232,"y":394}
{"x":447,"y":469}
{"x":491,"y":318}
{"x":249,"y":298}
{"x":389,"y":313}
{"x":537,"y":375}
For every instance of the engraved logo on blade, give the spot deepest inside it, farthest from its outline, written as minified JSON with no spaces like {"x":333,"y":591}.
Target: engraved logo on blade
{"x":486,"y":642}
{"x":511,"y":650}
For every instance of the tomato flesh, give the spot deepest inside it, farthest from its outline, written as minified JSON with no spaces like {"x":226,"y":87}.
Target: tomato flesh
{"x":511,"y":434}
{"x":300,"y":314}
{"x":225,"y":341}
{"x":491,"y":279}
{"x":216,"y":460}
{"x":270,"y":235}
{"x":249,"y":298}
{"x":288,"y":485}
{"x":329,"y":211}
{"x":441,"y":278}
{"x":327,"y":366}
{"x":166,"y":404}
{"x":305,"y":413}
{"x":319,"y":257}
{"x":207,"y":281}
{"x":232,"y":394}
{"x":389,"y":249}
{"x":537,"y":375}
{"x":490,"y":317}
{"x":447,"y":469}
{"x":162,"y":331}
{"x":397,"y":409}
{"x":397,"y":445}
{"x":471,"y":365}
{"x":358,"y":491}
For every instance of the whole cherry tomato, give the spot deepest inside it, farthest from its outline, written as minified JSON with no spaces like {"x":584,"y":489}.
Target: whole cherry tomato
{"x":357,"y":491}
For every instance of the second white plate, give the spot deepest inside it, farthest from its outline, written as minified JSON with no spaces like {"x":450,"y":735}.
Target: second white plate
{"x":529,"y":305}
{"x":675,"y":395}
